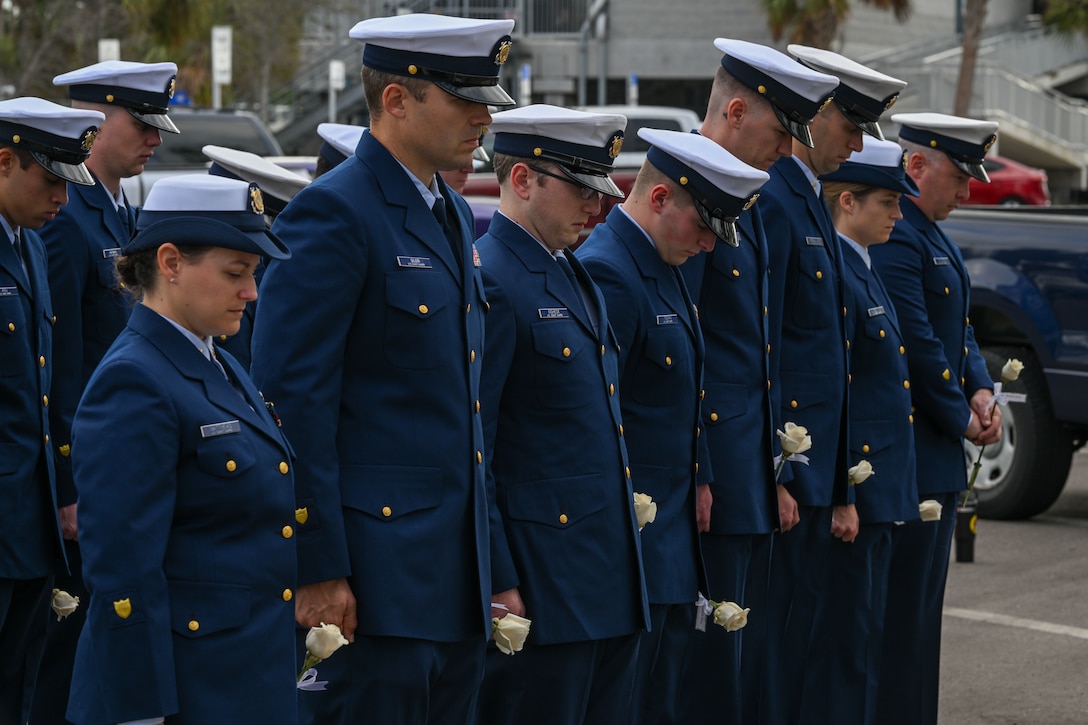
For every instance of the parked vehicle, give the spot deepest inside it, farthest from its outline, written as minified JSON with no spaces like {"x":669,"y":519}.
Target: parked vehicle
{"x":181,"y":153}
{"x":1029,"y":300}
{"x":666,"y":118}
{"x":1011,"y":184}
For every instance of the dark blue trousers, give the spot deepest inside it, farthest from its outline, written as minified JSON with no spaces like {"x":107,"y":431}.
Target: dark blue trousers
{"x":910,"y":666}
{"x":24,"y":609}
{"x":576,"y":683}
{"x":61,"y":637}
{"x":798,"y":585}
{"x":396,"y":680}
{"x":843,"y":667}
{"x":660,"y":670}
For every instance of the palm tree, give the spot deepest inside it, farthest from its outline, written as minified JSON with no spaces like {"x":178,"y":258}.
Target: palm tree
{"x":817,"y":22}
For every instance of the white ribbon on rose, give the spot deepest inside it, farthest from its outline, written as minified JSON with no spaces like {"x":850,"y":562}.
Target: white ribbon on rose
{"x":309,"y":681}
{"x":1000,"y":396}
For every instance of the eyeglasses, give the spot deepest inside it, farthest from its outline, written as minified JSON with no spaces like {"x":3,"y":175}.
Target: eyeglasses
{"x":585,"y":193}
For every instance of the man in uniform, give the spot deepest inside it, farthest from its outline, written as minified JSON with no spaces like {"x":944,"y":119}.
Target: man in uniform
{"x":566,"y":536}
{"x":688,"y":192}
{"x":759,"y":99}
{"x":807,"y":309}
{"x":951,"y":389}
{"x":42,"y":148}
{"x":370,"y":343}
{"x":91,"y":309}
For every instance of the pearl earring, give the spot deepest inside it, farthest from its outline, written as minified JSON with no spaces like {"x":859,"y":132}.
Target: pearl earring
{"x":173,"y":279}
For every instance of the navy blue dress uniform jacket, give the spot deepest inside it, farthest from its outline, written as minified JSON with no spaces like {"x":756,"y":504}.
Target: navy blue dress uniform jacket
{"x":661,"y":372}
{"x":881,"y":422}
{"x":30,"y":543}
{"x":186,"y":511}
{"x":83,"y":241}
{"x":567,"y":535}
{"x":370,"y":342}
{"x":926,"y":279}
{"x":730,"y":286}
{"x":807,"y":310}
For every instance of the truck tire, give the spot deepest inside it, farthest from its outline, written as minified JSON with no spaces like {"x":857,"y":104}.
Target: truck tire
{"x":1024,"y":473}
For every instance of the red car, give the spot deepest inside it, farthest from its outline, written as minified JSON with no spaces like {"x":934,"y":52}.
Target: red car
{"x":1011,"y":184}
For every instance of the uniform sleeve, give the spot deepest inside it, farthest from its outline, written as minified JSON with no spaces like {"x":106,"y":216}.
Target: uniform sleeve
{"x":501,"y":331}
{"x":304,"y":312}
{"x":68,"y":265}
{"x":900,"y":263}
{"x":124,"y":453}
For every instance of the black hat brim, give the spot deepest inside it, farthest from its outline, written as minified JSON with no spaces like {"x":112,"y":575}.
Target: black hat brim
{"x":195,"y":229}
{"x":972,"y":169}
{"x":159,"y":120}
{"x":75,"y":173}
{"x":798,"y":130}
{"x":488,"y":95}
{"x":603,"y":184}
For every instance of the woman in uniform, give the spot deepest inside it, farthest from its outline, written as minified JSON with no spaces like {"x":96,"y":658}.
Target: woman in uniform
{"x":186,"y":498}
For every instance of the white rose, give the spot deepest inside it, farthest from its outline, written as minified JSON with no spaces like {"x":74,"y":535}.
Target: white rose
{"x":860,"y":472}
{"x":322,"y":641}
{"x":64,"y":603}
{"x":730,"y":616}
{"x":1011,"y":370}
{"x":510,"y":633}
{"x":795,"y":439}
{"x":930,"y":510}
{"x":645,"y":510}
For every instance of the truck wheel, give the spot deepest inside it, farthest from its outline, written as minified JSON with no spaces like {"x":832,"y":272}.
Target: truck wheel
{"x":1024,"y":472}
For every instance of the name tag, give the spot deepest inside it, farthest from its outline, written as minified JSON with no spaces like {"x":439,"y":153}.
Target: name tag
{"x":220,"y":429}
{"x":9,"y":291}
{"x":475,"y":256}
{"x":554,"y":313}
{"x":111,"y":253}
{"x":414,"y":262}
{"x":814,"y":241}
{"x":874,"y":311}
{"x":940,"y":261}
{"x":667,"y":319}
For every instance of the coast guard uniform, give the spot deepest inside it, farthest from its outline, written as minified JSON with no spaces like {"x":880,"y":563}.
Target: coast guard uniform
{"x":924,"y":273}
{"x":557,"y":461}
{"x":842,"y":682}
{"x":84,"y":241}
{"x":185,"y":520}
{"x":730,"y":285}
{"x":31,"y":550}
{"x":370,"y":341}
{"x":808,"y":310}
{"x":661,"y":369}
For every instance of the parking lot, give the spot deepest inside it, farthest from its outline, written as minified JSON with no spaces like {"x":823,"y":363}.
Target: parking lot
{"x":1015,"y":630}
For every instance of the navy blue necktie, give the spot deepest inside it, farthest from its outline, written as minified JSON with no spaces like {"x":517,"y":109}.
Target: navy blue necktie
{"x":452,"y":235}
{"x":576,"y":287}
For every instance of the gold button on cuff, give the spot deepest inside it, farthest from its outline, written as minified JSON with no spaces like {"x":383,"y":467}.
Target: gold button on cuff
{"x":865,"y":448}
{"x":288,"y":595}
{"x":386,"y":511}
{"x":566,"y":352}
{"x":713,"y":417}
{"x":563,"y":518}
{"x":423,"y":309}
{"x":284,"y":467}
{"x":668,"y":360}
{"x":287,"y":532}
{"x":947,"y":375}
{"x":41,"y":361}
{"x":193,"y":625}
{"x":906,"y":384}
{"x":231,"y":466}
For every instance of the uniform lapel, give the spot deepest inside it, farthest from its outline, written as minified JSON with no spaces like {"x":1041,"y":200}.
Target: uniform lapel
{"x":10,"y":263}
{"x":98,"y":198}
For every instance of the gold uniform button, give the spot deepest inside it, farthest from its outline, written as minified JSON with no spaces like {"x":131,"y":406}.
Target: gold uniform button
{"x":472,"y":356}
{"x":696,"y":467}
{"x":865,"y":448}
{"x":231,"y":466}
{"x":566,"y":352}
{"x":702,"y":394}
{"x":611,"y":389}
{"x":621,"y":431}
{"x":768,"y":349}
{"x":41,"y":361}
{"x":698,"y":431}
{"x":11,"y":326}
{"x":764,"y":310}
{"x":963,"y":381}
{"x":882,"y":333}
{"x":423,"y":309}
{"x":288,"y":595}
{"x":849,"y":378}
{"x":965,"y":352}
{"x":54,"y":319}
{"x":793,"y":403}
{"x":193,"y":625}
{"x":668,"y":360}
{"x":902,"y":350}
{"x":736,"y":272}
{"x":906,"y":385}
{"x":947,"y":375}
{"x":386,"y":511}
{"x":287,"y":532}
{"x":847,"y":344}
{"x":768,"y":385}
{"x":468,"y":308}
{"x":222,"y":338}
{"x":819,"y":274}
{"x":284,"y":468}
{"x":910,"y":418}
{"x":602,"y":350}
{"x":626,"y":472}
{"x":967,"y":320}
{"x":844,"y":310}
{"x":563,"y":518}
{"x":713,"y":417}
{"x":46,"y":437}
{"x":947,"y":291}
{"x":479,"y":457}
{"x":477,"y":406}
{"x":45,"y":400}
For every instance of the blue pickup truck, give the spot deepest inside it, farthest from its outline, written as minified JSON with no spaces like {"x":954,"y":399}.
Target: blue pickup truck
{"x":1029,"y":300}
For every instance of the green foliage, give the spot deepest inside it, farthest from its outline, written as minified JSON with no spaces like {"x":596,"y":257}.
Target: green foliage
{"x":1067,"y":17}
{"x":817,"y":22}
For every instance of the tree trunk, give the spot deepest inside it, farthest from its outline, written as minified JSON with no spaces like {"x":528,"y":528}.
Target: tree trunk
{"x":973,"y":17}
